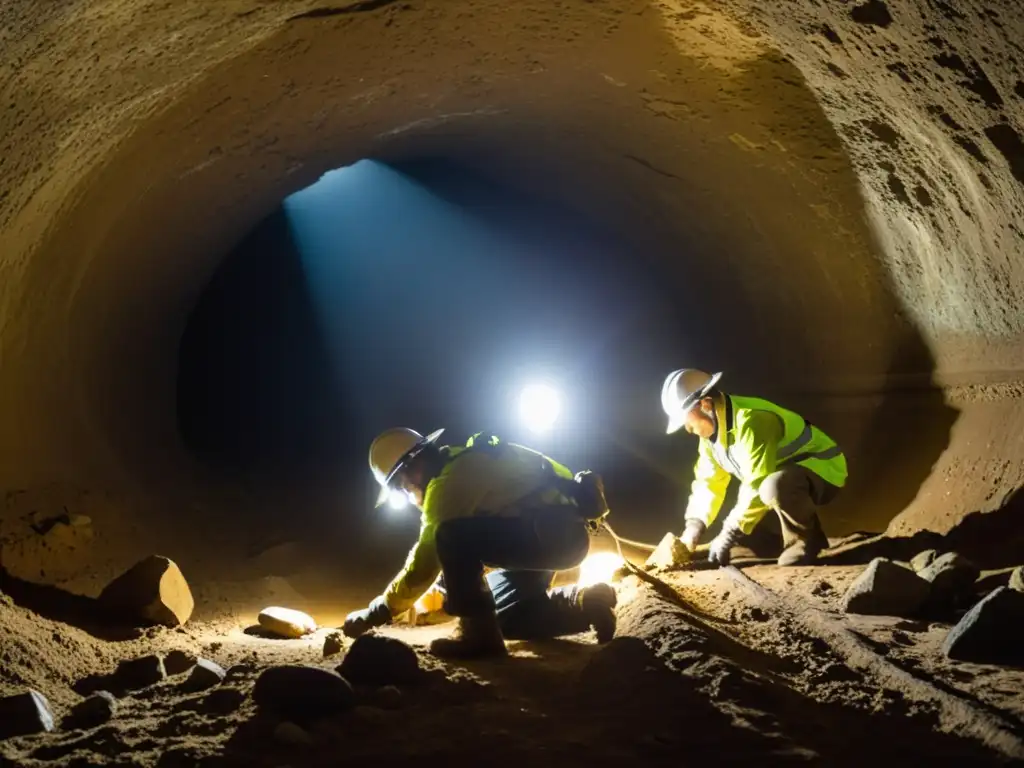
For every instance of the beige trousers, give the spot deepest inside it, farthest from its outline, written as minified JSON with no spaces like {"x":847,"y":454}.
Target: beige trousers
{"x":795,"y":493}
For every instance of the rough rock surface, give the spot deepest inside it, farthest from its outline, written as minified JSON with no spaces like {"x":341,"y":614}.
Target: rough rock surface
{"x":1017,"y":578}
{"x":302,"y":693}
{"x":334,"y":643}
{"x":886,"y":589}
{"x":25,"y":713}
{"x":286,"y":622}
{"x":92,"y":711}
{"x":205,"y":674}
{"x":378,"y":660}
{"x":990,"y":632}
{"x":152,"y":590}
{"x":670,"y":552}
{"x":142,"y":672}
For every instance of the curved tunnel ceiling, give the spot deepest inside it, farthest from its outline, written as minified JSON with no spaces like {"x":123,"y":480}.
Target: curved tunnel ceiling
{"x":842,"y":184}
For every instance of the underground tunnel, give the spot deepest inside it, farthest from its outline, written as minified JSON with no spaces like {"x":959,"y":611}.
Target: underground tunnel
{"x":240,"y":241}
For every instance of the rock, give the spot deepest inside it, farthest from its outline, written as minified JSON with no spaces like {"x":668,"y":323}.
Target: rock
{"x":92,"y":711}
{"x":670,"y":552}
{"x":923,"y":559}
{"x":886,"y":589}
{"x":989,"y":633}
{"x":290,"y":733}
{"x":286,"y":622}
{"x":302,"y":693}
{"x":223,"y":701}
{"x":205,"y":675}
{"x":388,"y":697}
{"x":334,"y":643}
{"x":378,"y":660}
{"x":152,"y":590}
{"x":1017,"y":578}
{"x":25,"y":713}
{"x":952,"y":577}
{"x":177,"y":662}
{"x":135,"y":674}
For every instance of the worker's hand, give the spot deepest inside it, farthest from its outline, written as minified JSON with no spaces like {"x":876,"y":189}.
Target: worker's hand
{"x":691,"y":534}
{"x":720,"y":551}
{"x":360,"y":622}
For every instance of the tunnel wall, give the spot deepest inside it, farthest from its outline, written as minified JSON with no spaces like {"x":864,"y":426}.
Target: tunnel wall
{"x":846,"y":178}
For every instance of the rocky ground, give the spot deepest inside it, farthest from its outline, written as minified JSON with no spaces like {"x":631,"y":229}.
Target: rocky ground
{"x":708,"y":666}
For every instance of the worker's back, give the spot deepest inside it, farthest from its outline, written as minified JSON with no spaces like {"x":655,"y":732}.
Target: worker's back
{"x":492,"y":480}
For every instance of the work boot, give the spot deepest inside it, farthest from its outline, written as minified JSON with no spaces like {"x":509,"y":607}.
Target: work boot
{"x":806,"y":550}
{"x":597,"y":602}
{"x":475,"y":637}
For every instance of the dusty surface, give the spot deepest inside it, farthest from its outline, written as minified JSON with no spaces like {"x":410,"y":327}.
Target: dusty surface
{"x":739,"y":680}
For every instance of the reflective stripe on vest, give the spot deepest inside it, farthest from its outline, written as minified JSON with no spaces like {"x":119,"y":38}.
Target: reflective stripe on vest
{"x":784,"y":455}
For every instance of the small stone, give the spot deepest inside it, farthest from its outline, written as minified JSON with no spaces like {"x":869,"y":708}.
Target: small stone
{"x":152,"y":590}
{"x":989,"y":632}
{"x":92,"y":711}
{"x":25,"y":713}
{"x":669,"y":553}
{"x":388,"y":697}
{"x":290,"y":733}
{"x":205,"y":674}
{"x":379,"y":660}
{"x":822,"y":588}
{"x":923,"y":559}
{"x":223,"y":701}
{"x":177,"y":662}
{"x":952,"y":577}
{"x":135,"y":674}
{"x":1017,"y":579}
{"x":334,"y":643}
{"x":286,"y":622}
{"x":886,"y":589}
{"x":302,"y":693}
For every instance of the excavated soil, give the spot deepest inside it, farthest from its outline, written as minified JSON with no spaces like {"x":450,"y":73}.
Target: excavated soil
{"x":714,"y":666}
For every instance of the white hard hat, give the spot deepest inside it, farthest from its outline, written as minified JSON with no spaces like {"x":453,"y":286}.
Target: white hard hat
{"x":682,"y":390}
{"x":391,"y":450}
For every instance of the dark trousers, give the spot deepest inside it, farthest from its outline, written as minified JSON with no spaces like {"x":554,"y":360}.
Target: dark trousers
{"x":528,"y":549}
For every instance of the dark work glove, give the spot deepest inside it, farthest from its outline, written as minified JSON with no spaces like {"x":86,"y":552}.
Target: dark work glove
{"x":722,"y":544}
{"x":359,"y":622}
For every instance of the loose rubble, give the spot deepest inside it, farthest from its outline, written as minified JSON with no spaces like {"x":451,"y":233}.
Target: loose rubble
{"x":379,"y":660}
{"x":25,"y":713}
{"x":334,"y":643}
{"x":887,"y":589}
{"x":286,"y":622}
{"x":669,"y":553}
{"x":153,"y":590}
{"x":952,"y":578}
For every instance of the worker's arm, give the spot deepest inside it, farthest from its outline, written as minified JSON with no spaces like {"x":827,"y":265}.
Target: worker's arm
{"x":417,"y":575}
{"x":707,"y":492}
{"x":756,"y":452}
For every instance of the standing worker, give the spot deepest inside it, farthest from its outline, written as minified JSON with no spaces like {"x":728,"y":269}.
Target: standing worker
{"x":496,"y":504}
{"x":782,"y":461}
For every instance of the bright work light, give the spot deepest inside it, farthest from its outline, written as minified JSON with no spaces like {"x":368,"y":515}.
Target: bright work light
{"x":398,"y":499}
{"x":599,"y":568}
{"x":539,"y":407}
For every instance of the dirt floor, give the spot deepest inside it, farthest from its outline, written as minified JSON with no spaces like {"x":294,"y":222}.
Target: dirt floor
{"x":711,"y":666}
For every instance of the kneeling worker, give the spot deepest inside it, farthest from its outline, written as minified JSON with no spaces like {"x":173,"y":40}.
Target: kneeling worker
{"x":494,"y":504}
{"x":783,"y":463}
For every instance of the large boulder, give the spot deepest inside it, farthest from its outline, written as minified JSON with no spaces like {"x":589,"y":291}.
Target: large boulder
{"x":153,"y":590}
{"x":887,"y":589}
{"x":302,"y":693}
{"x":379,"y":660}
{"x":25,"y":713}
{"x":989,"y":633}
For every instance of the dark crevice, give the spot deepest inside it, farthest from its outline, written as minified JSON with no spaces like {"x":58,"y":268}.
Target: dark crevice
{"x":874,"y":12}
{"x":976,"y":80}
{"x":648,"y":166}
{"x":1008,"y":142}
